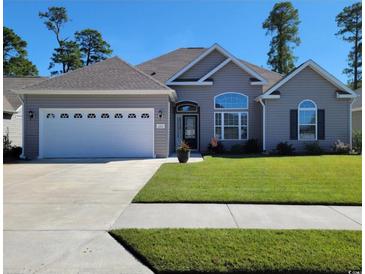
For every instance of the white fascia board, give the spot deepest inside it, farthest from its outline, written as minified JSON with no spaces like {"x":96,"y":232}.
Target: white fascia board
{"x":262,"y":97}
{"x":357,"y":109}
{"x":344,"y":96}
{"x":190,"y":83}
{"x":320,"y":71}
{"x":169,"y":92}
{"x":225,"y":53}
{"x":210,"y":73}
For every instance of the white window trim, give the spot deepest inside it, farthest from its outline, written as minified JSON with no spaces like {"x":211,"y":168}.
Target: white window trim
{"x":239,"y":125}
{"x":230,"y":92}
{"x":316,"y":120}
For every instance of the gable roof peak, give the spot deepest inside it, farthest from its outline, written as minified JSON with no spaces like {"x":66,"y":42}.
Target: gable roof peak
{"x":230,"y":57}
{"x":318,"y":69}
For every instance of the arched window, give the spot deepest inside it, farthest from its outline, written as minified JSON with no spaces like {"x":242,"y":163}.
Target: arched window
{"x":307,"y":120}
{"x":231,"y":100}
{"x":231,"y":125}
{"x":186,"y":107}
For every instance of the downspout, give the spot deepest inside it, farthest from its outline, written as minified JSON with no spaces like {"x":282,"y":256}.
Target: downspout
{"x":353,"y":100}
{"x":263,"y":124}
{"x":22,"y":156}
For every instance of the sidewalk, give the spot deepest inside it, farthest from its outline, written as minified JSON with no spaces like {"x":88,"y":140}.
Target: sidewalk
{"x":240,"y":216}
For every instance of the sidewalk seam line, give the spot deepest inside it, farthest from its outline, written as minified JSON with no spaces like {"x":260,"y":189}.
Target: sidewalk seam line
{"x":234,"y":219}
{"x":343,"y":214}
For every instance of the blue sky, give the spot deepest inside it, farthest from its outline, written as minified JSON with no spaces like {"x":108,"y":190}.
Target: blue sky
{"x":140,"y":30}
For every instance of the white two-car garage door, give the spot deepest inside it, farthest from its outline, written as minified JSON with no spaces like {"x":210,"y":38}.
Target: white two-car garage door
{"x":72,"y":133}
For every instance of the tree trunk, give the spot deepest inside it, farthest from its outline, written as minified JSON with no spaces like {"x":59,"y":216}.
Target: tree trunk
{"x":356,"y":49}
{"x":88,"y":57}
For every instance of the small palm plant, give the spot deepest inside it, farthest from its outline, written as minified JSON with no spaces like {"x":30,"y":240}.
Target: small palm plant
{"x":183,"y":152}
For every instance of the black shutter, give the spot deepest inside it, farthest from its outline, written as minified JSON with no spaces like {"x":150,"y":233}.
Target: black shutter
{"x":321,"y":124}
{"x":293,"y":124}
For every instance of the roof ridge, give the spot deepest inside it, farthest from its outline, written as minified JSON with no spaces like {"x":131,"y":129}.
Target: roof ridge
{"x":24,"y":77}
{"x":166,"y":54}
{"x":143,"y":73}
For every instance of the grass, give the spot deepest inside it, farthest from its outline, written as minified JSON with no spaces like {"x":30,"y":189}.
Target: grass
{"x":244,"y":251}
{"x":330,"y":179}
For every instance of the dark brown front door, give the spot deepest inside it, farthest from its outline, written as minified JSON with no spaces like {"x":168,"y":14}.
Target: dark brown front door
{"x":190,"y":130}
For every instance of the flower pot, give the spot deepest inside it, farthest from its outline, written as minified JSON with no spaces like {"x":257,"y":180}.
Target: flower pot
{"x":183,"y":155}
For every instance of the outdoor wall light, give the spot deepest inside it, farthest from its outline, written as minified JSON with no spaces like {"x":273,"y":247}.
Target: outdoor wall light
{"x":31,"y":114}
{"x":160,"y":114}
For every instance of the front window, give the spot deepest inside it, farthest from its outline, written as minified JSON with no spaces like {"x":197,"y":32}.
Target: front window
{"x":307,"y":120}
{"x":231,"y":125}
{"x":231,"y":100}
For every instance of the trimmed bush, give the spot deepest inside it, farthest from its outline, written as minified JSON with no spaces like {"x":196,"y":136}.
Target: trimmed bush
{"x":284,"y":148}
{"x":357,"y":141}
{"x":313,"y":149}
{"x":237,"y":149}
{"x":252,"y":146}
{"x":215,"y":147}
{"x":340,"y":147}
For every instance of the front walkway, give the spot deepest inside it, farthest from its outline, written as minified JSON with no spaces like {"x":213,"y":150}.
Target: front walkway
{"x":240,"y":216}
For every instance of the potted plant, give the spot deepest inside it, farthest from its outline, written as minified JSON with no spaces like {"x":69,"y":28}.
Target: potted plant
{"x":183,"y":152}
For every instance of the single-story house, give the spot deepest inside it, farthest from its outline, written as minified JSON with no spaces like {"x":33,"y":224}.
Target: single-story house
{"x":113,"y":109}
{"x":357,"y":111}
{"x":12,"y":106}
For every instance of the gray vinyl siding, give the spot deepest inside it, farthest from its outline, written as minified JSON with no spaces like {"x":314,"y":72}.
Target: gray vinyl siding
{"x":356,"y":120}
{"x":307,"y":85}
{"x":230,"y":78}
{"x":205,"y":65}
{"x":34,"y":102}
{"x":13,"y":127}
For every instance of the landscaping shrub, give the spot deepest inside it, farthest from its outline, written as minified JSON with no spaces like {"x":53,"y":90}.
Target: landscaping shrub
{"x":340,"y":147}
{"x":215,"y":147}
{"x":252,"y":146}
{"x":284,"y":148}
{"x":313,"y":149}
{"x":357,"y":141}
{"x":10,"y":151}
{"x":237,"y":149}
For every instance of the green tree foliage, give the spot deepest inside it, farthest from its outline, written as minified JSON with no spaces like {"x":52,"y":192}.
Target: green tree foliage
{"x":349,"y":21}
{"x":282,"y":24}
{"x":54,"y":19}
{"x":68,"y":54}
{"x":15,"y":56}
{"x":92,"y":46}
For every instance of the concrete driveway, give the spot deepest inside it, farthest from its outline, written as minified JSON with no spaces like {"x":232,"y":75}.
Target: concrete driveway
{"x":56,"y":215}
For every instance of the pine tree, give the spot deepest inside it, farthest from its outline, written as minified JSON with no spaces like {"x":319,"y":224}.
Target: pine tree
{"x":282,"y":24}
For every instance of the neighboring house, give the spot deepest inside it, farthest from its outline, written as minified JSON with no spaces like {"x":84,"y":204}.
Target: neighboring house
{"x":12,"y":106}
{"x":357,"y":111}
{"x":113,"y":109}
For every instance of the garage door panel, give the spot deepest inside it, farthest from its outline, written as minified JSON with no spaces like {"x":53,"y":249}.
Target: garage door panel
{"x":93,"y":136}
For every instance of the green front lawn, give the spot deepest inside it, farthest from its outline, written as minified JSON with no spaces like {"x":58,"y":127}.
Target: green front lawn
{"x":244,"y":251}
{"x":287,"y":180}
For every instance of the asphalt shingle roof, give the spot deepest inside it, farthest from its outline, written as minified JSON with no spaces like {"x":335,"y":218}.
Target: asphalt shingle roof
{"x":11,"y":101}
{"x":165,"y":66}
{"x":110,"y":74}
